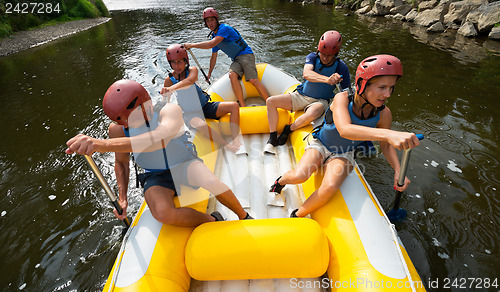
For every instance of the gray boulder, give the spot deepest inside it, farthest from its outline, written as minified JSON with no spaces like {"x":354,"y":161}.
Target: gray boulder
{"x":383,"y":7}
{"x":410,"y":16}
{"x":458,"y":11}
{"x":363,"y":10}
{"x":468,"y":30}
{"x":431,"y":16}
{"x":436,"y":27}
{"x":401,"y":9}
{"x":425,"y":5}
{"x":485,"y":17}
{"x":495,"y":33}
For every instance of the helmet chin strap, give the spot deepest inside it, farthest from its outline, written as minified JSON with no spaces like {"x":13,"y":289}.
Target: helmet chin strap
{"x":363,"y":106}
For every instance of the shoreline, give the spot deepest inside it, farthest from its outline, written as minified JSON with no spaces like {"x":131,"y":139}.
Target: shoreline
{"x":24,"y":40}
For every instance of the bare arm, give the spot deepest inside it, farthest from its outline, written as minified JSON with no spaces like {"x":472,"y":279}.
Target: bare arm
{"x":169,"y":127}
{"x":205,"y":45}
{"x":190,"y":80}
{"x":383,"y":133}
{"x":309,"y":75}
{"x":122,"y":171}
{"x":213,"y":61}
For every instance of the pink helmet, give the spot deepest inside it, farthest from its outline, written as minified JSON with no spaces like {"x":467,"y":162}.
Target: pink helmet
{"x":177,"y":52}
{"x":121,"y":98}
{"x":210,"y":12}
{"x":378,"y":65}
{"x":330,"y":43}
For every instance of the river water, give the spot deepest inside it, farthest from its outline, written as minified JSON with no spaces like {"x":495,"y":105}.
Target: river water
{"x":58,"y":232}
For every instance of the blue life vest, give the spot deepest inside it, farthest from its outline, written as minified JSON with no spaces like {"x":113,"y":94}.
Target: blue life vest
{"x":330,"y":137}
{"x":232,"y":48}
{"x":320,"y":90}
{"x":177,"y":151}
{"x":186,"y":103}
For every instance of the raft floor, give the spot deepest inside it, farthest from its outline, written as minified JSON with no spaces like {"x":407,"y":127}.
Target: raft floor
{"x":250,"y":177}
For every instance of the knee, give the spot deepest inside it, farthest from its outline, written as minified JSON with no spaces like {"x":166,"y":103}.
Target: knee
{"x":233,"y":76}
{"x":164,"y":215}
{"x":271,"y":101}
{"x":197,"y":123}
{"x":234,"y":108}
{"x":253,"y":81}
{"x":299,"y":176}
{"x":327,"y":189}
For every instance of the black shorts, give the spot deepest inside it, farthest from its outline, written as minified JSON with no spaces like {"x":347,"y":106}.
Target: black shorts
{"x":170,"y":178}
{"x":210,"y":110}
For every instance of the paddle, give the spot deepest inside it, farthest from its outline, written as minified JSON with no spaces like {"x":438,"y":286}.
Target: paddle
{"x":106,"y":187}
{"x":397,"y":214}
{"x":203,"y":72}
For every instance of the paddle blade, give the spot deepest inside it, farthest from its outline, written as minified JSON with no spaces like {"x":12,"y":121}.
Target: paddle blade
{"x":397,"y":215}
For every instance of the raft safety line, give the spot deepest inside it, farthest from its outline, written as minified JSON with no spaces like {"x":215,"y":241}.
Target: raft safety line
{"x":394,"y":237}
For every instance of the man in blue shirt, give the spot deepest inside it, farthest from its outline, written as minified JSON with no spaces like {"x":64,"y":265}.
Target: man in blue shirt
{"x":228,"y":39}
{"x":323,"y":71}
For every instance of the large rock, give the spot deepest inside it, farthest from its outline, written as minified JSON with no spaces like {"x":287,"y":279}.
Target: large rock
{"x":458,"y":11}
{"x":431,"y":16}
{"x":410,"y":16}
{"x":485,"y":17}
{"x":436,"y":27}
{"x":363,"y":10}
{"x":401,"y":9}
{"x":495,"y":33}
{"x":468,"y":30}
{"x":425,"y":5}
{"x":383,"y":7}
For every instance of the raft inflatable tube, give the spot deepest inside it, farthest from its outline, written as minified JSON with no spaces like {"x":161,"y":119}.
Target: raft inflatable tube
{"x":350,"y":237}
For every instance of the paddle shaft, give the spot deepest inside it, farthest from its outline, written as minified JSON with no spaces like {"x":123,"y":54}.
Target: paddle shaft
{"x":402,"y":172}
{"x":203,"y":72}
{"x":107,"y":189}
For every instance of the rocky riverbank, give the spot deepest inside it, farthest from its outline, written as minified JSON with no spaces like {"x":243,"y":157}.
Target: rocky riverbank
{"x":30,"y":38}
{"x":470,"y":18}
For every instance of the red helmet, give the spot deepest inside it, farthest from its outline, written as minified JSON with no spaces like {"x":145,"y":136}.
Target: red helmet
{"x":121,"y":98}
{"x":378,"y":65}
{"x":210,"y":12}
{"x":330,"y":43}
{"x":177,"y":52}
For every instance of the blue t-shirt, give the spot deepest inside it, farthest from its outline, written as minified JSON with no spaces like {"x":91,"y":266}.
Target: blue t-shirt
{"x":233,"y":44}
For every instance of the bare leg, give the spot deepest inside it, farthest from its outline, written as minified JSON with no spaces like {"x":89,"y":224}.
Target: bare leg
{"x":238,"y":91}
{"x":233,"y":109}
{"x":161,"y":203}
{"x":309,"y":163}
{"x":313,"y":112}
{"x":210,"y":133}
{"x":200,"y":175}
{"x":261,"y":89}
{"x":283,"y":101}
{"x":336,"y":172}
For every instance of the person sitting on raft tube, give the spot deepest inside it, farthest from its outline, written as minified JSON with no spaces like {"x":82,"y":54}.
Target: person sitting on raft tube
{"x":160,"y":146}
{"x":184,"y":75}
{"x":229,"y":40}
{"x":322,"y":71}
{"x":349,"y":121}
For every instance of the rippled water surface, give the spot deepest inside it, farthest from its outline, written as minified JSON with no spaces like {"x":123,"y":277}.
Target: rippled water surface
{"x":58,"y":232}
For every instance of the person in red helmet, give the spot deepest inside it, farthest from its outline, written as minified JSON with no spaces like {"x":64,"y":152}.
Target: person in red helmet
{"x":350,"y":120}
{"x":160,"y":146}
{"x":229,"y":40}
{"x":323,"y":70}
{"x":184,"y":75}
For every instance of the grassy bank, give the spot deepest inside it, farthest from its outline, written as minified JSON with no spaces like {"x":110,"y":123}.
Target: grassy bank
{"x":18,"y":15}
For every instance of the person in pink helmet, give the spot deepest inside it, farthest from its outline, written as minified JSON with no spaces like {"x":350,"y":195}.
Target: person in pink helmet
{"x":184,"y":75}
{"x":160,"y":146}
{"x":350,"y":120}
{"x":229,"y":40}
{"x":323,"y":70}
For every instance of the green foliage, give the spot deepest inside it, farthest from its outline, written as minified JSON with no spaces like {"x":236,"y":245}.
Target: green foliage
{"x":84,"y":9}
{"x":69,"y":10}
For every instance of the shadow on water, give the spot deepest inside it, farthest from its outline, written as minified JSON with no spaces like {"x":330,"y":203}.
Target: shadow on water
{"x":58,"y":230}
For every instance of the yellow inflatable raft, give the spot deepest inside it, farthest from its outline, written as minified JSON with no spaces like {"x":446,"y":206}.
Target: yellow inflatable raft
{"x":348,"y":244}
